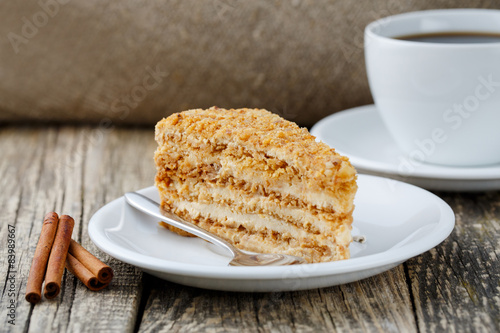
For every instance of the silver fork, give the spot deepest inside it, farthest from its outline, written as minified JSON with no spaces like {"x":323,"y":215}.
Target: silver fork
{"x":240,"y":258}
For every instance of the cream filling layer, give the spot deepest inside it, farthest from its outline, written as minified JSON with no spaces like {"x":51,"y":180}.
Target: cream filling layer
{"x":317,"y":198}
{"x":259,"y":223}
{"x":255,"y":200}
{"x":298,"y":190}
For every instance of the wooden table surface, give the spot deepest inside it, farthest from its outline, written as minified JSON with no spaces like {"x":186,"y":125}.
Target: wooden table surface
{"x":454,"y":287}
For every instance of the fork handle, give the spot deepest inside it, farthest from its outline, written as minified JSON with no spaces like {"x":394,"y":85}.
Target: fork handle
{"x":151,"y":207}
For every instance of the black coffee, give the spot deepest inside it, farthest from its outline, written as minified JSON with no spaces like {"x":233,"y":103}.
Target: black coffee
{"x":454,"y":37}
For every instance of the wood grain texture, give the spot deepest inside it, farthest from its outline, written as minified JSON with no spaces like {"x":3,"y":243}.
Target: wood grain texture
{"x":71,"y":171}
{"x":76,"y":170}
{"x":457,"y":284}
{"x":378,"y":304}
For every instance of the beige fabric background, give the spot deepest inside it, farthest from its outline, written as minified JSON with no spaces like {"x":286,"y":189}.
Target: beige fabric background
{"x":137,"y":61}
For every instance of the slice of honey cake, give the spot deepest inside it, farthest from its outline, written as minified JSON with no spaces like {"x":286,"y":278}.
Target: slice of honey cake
{"x":256,"y":180}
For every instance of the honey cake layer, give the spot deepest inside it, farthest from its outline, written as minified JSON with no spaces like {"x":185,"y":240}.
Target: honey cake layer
{"x":251,"y":167}
{"x":223,"y":222}
{"x":239,"y":199}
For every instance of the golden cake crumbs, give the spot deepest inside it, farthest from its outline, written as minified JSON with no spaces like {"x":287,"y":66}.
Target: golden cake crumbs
{"x":257,"y":180}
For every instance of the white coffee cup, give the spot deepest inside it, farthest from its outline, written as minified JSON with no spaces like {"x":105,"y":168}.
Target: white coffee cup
{"x":440,"y":102}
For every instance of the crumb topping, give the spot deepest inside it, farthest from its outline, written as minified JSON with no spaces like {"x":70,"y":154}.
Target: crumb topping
{"x":264,"y":131}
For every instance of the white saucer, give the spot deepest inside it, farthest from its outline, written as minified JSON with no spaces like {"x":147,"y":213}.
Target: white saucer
{"x":399,"y":221}
{"x":360,"y":134}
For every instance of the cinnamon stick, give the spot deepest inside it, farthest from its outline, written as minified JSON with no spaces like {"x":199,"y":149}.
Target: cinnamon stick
{"x":103,"y":272}
{"x":57,"y":259}
{"x":83,"y":274}
{"x":39,"y":263}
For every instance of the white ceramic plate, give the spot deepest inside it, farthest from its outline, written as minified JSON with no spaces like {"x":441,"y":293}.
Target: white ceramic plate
{"x":360,"y":134}
{"x":399,"y":221}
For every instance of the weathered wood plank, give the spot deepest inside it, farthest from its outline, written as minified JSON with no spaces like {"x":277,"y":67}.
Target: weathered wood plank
{"x":76,"y":170}
{"x":115,"y":161}
{"x":73,"y":171}
{"x":380,"y":304}
{"x":457,"y":285}
{"x":28,"y":149}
